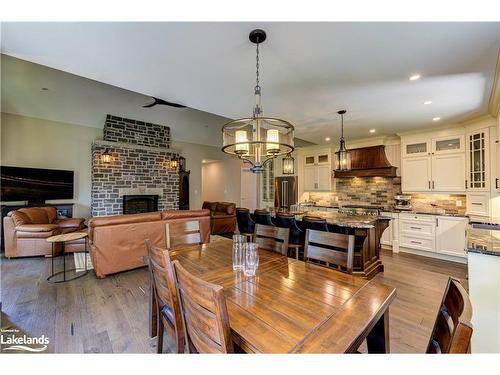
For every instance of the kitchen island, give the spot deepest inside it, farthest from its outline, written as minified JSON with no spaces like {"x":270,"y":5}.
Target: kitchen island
{"x":483,"y":258}
{"x":367,"y":231}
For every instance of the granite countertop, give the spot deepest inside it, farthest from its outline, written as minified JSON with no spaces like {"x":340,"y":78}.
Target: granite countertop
{"x":483,"y":241}
{"x":344,"y":220}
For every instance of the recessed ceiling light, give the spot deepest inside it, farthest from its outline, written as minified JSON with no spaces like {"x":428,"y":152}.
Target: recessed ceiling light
{"x":372,"y":131}
{"x":327,"y":139}
{"x":436,"y":118}
{"x":414,"y":77}
{"x":428,"y":102}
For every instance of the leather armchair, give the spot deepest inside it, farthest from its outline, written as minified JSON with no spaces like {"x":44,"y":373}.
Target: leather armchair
{"x":222,"y":216}
{"x":27,"y":229}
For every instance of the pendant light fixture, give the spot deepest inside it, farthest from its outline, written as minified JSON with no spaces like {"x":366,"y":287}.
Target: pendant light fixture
{"x":258,"y":140}
{"x":288,"y":166}
{"x":343,"y":155}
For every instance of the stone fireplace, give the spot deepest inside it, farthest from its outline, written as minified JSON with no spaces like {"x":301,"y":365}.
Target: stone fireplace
{"x":137,"y":204}
{"x":139,"y":167}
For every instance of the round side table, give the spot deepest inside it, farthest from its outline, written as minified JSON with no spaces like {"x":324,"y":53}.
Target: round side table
{"x":63,"y":238}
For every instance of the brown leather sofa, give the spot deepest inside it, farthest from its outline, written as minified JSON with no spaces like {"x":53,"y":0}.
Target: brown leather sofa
{"x":27,"y":229}
{"x":222,"y":216}
{"x":117,"y":243}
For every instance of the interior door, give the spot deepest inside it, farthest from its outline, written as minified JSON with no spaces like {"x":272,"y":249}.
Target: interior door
{"x":416,"y":174}
{"x":448,"y":172}
{"x":248,"y":189}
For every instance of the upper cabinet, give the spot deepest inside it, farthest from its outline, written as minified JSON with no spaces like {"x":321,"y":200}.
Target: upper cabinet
{"x":317,"y":175}
{"x":433,"y":164}
{"x":477,"y":178}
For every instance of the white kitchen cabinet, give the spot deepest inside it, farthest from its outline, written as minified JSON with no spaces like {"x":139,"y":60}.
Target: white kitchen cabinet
{"x":416,"y":174}
{"x":317,"y":172}
{"x":448,"y":172}
{"x":417,"y":232}
{"x":477,"y":178}
{"x":433,"y":164}
{"x":450,"y":235}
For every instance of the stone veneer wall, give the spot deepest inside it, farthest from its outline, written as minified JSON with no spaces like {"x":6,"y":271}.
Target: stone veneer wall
{"x":139,"y":166}
{"x":373,"y":191}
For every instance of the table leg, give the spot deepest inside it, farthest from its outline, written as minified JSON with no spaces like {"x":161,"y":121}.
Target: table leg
{"x":52,"y":259}
{"x":378,"y":339}
{"x":64,"y":260}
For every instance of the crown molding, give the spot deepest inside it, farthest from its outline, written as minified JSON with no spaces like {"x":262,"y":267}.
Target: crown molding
{"x":494,"y":104}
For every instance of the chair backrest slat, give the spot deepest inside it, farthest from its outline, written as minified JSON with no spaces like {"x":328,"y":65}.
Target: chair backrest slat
{"x":272,"y":238}
{"x":183,"y":233}
{"x":205,"y":314}
{"x":332,"y":248}
{"x":452,"y":330}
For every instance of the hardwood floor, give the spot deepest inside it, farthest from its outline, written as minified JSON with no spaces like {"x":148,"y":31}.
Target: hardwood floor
{"x":110,"y":315}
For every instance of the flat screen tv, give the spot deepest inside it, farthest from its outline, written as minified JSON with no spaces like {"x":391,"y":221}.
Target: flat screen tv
{"x":35,"y":184}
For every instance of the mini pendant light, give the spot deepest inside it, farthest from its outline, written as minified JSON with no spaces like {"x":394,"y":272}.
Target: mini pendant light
{"x":343,"y":155}
{"x":288,"y":166}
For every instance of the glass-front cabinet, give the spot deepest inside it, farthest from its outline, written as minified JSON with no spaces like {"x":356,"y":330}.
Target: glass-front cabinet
{"x":448,"y":145}
{"x":477,"y":160}
{"x":416,"y":148}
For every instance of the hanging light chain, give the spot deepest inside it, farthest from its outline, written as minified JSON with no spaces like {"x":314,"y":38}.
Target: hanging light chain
{"x":257,"y":109}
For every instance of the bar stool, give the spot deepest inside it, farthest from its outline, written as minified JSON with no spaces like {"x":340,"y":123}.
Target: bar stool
{"x":262,"y":217}
{"x":314,"y":223}
{"x":296,"y":238}
{"x":246,"y":225}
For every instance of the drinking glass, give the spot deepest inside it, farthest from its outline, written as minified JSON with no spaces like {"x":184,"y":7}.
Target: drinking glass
{"x":238,"y":252}
{"x":251,"y":259}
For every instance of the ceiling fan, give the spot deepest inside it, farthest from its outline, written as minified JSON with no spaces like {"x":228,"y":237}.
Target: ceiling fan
{"x":163,"y":102}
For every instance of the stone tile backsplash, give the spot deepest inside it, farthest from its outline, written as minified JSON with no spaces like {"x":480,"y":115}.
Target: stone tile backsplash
{"x":380,"y":191}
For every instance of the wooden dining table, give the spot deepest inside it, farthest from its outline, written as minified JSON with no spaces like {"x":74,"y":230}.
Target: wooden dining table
{"x":290,"y":306}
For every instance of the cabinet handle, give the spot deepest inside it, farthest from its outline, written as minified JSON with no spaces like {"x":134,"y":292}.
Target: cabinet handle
{"x":466,"y":184}
{"x":416,"y":228}
{"x":437,"y":222}
{"x":429,"y":184}
{"x":476,"y":204}
{"x":433,"y":184}
{"x":419,"y":243}
{"x":496,"y":183}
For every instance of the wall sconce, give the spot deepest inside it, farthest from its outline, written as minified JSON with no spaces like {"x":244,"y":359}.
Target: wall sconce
{"x":288,"y":165}
{"x":173,"y":163}
{"x":106,"y":157}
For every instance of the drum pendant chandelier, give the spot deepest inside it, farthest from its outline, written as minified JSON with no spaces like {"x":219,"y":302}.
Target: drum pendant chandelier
{"x":258,"y":140}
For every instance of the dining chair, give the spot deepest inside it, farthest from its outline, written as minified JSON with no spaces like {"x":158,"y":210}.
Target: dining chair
{"x":246,"y":225}
{"x":296,"y":237}
{"x":182,"y":233}
{"x":452,"y":330}
{"x":272,"y":238}
{"x":314,"y":223}
{"x":163,"y":285}
{"x":263,"y":217}
{"x":334,"y":249}
{"x":206,"y":319}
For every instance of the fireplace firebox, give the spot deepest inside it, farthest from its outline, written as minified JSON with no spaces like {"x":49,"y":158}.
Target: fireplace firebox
{"x":136,"y":204}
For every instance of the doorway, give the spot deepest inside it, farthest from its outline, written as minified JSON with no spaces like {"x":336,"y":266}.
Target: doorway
{"x":248,"y":189}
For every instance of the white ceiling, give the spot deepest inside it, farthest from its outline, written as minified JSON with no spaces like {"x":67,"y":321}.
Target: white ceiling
{"x":309,"y":70}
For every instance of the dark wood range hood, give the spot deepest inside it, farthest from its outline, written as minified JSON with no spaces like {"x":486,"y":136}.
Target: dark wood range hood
{"x":368,"y":162}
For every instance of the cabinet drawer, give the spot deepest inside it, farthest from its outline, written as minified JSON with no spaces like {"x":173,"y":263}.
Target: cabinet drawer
{"x":417,"y":217}
{"x":478,"y":204}
{"x":418,"y":243}
{"x":422,"y":228}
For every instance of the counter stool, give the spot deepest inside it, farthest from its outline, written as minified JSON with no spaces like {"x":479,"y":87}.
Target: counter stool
{"x":315,"y":223}
{"x":262,"y":217}
{"x":296,"y":238}
{"x":246,"y":225}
